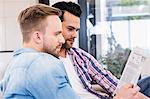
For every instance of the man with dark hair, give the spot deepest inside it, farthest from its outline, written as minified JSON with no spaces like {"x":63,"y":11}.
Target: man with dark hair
{"x":35,"y":72}
{"x":81,"y":67}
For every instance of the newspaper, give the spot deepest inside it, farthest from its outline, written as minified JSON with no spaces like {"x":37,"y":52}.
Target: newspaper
{"x":133,"y":67}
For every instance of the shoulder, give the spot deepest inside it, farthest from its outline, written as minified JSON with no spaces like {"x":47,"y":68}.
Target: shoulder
{"x":45,"y":65}
{"x":80,"y":51}
{"x":46,"y":69}
{"x":45,"y":61}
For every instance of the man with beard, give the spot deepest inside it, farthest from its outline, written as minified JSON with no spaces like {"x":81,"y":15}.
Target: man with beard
{"x":35,"y":72}
{"x":82,"y":69}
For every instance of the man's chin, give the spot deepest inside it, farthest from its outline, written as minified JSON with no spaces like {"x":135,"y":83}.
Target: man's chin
{"x":68,"y":47}
{"x":65,"y":46}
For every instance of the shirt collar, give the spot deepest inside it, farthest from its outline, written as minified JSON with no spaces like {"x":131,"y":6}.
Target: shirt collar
{"x":23,"y":50}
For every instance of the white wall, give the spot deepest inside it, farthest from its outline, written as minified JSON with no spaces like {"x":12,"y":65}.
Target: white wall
{"x":4,"y":60}
{"x":10,"y":36}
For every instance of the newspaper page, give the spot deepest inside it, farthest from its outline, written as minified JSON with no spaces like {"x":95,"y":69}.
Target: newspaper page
{"x":133,"y":67}
{"x":145,"y":68}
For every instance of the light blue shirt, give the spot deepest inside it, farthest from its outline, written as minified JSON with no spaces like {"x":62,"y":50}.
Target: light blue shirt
{"x":34,"y":75}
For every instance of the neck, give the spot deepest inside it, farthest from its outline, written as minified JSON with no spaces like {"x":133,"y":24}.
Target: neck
{"x":63,"y":52}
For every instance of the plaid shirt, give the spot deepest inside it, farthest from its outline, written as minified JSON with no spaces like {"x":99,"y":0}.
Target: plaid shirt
{"x":90,"y":71}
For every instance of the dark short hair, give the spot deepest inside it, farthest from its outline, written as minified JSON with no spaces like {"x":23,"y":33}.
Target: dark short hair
{"x":33,"y":19}
{"x":71,"y":7}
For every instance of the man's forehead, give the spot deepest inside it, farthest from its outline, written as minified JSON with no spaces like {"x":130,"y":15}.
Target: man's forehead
{"x":67,"y":15}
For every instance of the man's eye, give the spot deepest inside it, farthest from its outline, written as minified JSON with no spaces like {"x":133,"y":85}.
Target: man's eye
{"x":70,"y":29}
{"x":77,"y":30}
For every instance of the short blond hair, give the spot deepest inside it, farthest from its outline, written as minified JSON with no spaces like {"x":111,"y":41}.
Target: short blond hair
{"x":33,"y":19}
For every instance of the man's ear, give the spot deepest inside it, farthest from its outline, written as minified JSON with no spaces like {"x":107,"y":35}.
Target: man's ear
{"x":37,"y":37}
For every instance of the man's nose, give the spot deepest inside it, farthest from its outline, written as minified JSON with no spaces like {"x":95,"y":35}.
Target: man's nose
{"x":74,"y":34}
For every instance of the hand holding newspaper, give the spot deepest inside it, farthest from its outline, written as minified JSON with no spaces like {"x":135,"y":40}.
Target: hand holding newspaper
{"x":133,"y":68}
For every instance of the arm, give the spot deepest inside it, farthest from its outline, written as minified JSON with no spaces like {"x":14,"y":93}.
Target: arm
{"x":94,"y":70}
{"x":14,"y":87}
{"x":142,"y":96}
{"x":103,"y":77}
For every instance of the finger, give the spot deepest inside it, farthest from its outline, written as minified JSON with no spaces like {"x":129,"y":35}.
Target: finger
{"x":136,"y":87}
{"x":128,"y":85}
{"x":133,"y":91}
{"x":136,"y":96}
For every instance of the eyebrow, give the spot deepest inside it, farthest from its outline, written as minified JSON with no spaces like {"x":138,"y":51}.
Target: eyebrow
{"x":74,"y":28}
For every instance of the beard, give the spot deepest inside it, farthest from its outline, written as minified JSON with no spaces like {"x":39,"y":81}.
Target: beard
{"x":54,"y":52}
{"x":68,"y":44}
{"x":65,"y":46}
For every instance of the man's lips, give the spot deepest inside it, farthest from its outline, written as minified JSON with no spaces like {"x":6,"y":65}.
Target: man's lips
{"x":71,"y":40}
